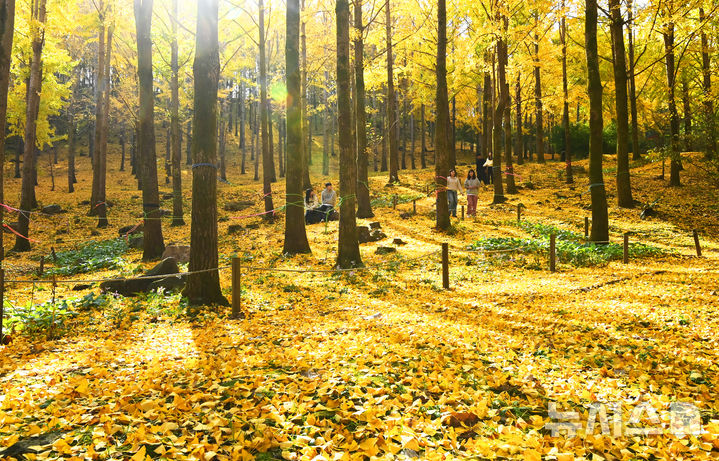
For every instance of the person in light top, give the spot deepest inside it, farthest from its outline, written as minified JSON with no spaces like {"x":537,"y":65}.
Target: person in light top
{"x":454,"y":186}
{"x":329,"y":196}
{"x":472,"y":186}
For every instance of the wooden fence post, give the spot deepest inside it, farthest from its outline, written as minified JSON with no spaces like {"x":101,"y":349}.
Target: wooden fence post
{"x":462,"y":212}
{"x":519,"y":212}
{"x":626,"y":247}
{"x":394,"y":202}
{"x":445,"y":266}
{"x":586,"y":227}
{"x":42,"y":265}
{"x":414,"y":206}
{"x":236,"y":288}
{"x":552,"y":253}
{"x":697,"y":244}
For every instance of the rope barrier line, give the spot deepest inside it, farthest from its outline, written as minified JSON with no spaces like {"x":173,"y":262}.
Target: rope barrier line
{"x":143,"y":277}
{"x":255,"y":268}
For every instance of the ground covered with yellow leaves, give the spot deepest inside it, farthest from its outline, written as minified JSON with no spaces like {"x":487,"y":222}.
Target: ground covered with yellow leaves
{"x":383,"y":363}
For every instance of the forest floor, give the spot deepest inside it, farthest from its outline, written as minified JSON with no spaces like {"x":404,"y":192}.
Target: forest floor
{"x":381,"y":362}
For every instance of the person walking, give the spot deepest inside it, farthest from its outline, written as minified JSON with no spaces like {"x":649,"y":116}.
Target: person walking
{"x":488,"y":165}
{"x":480,"y":168}
{"x":454,"y":186}
{"x":471,"y":184}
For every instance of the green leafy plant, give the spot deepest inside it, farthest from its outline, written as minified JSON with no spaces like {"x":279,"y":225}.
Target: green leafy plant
{"x":90,"y":257}
{"x":50,"y":320}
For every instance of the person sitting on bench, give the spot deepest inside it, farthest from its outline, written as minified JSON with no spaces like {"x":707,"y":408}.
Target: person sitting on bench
{"x":329,"y":200}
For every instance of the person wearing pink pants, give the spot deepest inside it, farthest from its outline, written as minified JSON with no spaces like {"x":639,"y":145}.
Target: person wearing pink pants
{"x":471,"y":184}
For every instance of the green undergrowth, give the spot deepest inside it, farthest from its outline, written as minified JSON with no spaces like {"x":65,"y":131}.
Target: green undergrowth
{"x":90,"y":257}
{"x":570,"y":246}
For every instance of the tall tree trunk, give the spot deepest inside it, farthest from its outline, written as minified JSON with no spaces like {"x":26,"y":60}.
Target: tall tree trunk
{"x":452,"y":138}
{"x":96,"y":207}
{"x":306,"y":182}
{"x":538,"y":96}
{"x":511,"y":186}
{"x":295,"y":233}
{"x":383,"y":124}
{"x":502,"y":89}
{"x":636,"y":152}
{"x":267,"y":168}
{"x":519,"y":144}
{"x":348,"y":254}
{"x":624,"y":189}
{"x":27,"y":193}
{"x":325,"y":128}
{"x":175,"y":131}
{"x":600,"y":216}
{"x":569,"y":178}
{"x":423,"y":142}
{"x":102,"y":189}
{"x":7,"y":28}
{"x":222,"y":145}
{"x":674,"y":154}
{"x":442,"y":166}
{"x":487,"y":115}
{"x":412,"y":136}
{"x":72,"y":135}
{"x":270,"y":133}
{"x":391,"y":109}
{"x":707,"y":87}
{"x":188,"y":146}
{"x":204,"y":287}
{"x":687,"y":114}
{"x":153,"y":244}
{"x":364,"y":207}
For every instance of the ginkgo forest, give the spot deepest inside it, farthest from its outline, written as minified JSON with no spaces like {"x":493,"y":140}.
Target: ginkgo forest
{"x":359,"y":230}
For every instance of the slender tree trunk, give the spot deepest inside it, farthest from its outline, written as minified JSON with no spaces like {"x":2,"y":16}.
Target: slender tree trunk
{"x":102,"y":189}
{"x":188,"y":146}
{"x":412,"y":133}
{"x":27,"y":194}
{"x":325,"y":128}
{"x":519,"y":144}
{"x":636,"y":152}
{"x":348,"y":254}
{"x":600,"y":217}
{"x":502,"y":89}
{"x":306,"y":182}
{"x":176,"y":132}
{"x":383,"y":124}
{"x":569,"y":178}
{"x":391,"y":109}
{"x":687,"y":114}
{"x":673,"y":114}
{"x":538,"y":97}
{"x":487,"y":115}
{"x":7,"y":28}
{"x":267,"y":169}
{"x":624,"y":189}
{"x":442,"y":104}
{"x":423,"y":142}
{"x":153,"y":245}
{"x":96,"y":207}
{"x":222,"y":144}
{"x":270,"y":132}
{"x":707,"y":87}
{"x":364,"y":207}
{"x":204,"y":287}
{"x":295,"y":234}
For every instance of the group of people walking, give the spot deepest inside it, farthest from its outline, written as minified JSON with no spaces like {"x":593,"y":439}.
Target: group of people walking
{"x":456,"y":186}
